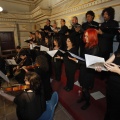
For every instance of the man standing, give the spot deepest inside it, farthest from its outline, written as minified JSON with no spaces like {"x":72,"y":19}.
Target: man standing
{"x":90,"y":15}
{"x":62,"y":33}
{"x":107,"y":32}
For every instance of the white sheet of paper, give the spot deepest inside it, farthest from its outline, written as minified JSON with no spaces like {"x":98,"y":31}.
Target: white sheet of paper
{"x":43,"y":48}
{"x":4,"y":76}
{"x":77,"y":83}
{"x":34,"y":45}
{"x":11,"y":61}
{"x":75,"y":56}
{"x":93,"y":61}
{"x":52,"y":52}
{"x":97,"y":95}
{"x":31,"y":46}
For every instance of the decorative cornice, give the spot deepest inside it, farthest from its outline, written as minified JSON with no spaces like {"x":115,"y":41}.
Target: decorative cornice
{"x":79,"y":7}
{"x":23,"y":2}
{"x":59,"y":3}
{"x":39,"y":14}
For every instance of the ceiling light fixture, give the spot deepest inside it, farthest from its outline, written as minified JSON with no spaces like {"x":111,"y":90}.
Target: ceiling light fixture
{"x":1,"y":9}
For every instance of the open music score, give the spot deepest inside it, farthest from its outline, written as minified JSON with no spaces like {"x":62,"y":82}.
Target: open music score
{"x":42,"y":48}
{"x":28,"y":41}
{"x":75,"y":56}
{"x":94,"y":61}
{"x":11,"y":62}
{"x":52,"y":52}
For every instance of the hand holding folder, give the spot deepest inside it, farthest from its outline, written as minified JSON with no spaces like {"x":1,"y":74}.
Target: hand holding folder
{"x":94,"y":61}
{"x":52,"y":53}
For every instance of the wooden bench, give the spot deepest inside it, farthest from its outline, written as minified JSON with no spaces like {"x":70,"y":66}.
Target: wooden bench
{"x":8,"y":53}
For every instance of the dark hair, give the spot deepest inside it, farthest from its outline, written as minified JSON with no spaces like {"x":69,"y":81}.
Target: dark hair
{"x":23,"y":52}
{"x":18,"y":47}
{"x":110,"y":11}
{"x":30,"y":32}
{"x":75,"y":17}
{"x":57,"y":39}
{"x":35,"y":81}
{"x":90,"y":13}
{"x":72,"y":39}
{"x":42,"y":61}
{"x":49,"y":41}
{"x":37,"y":31}
{"x":48,"y":20}
{"x":63,"y":20}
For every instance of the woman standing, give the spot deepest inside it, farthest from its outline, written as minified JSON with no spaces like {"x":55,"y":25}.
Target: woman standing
{"x":86,"y":78}
{"x":113,"y":87}
{"x":70,"y":66}
{"x":57,"y":63}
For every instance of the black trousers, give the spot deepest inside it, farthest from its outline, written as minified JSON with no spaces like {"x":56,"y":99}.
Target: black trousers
{"x":70,"y":74}
{"x":58,"y":69}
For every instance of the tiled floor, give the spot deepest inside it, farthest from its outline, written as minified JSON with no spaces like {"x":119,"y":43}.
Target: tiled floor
{"x":8,"y":110}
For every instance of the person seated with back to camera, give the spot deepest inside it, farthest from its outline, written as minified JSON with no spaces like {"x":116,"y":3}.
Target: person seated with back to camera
{"x":31,"y":102}
{"x":41,"y":67}
{"x":86,"y":77}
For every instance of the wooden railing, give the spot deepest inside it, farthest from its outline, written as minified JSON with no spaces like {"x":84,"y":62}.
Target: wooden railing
{"x":8,"y":53}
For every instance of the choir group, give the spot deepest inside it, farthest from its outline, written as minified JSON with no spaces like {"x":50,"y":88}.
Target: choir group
{"x":35,"y":66}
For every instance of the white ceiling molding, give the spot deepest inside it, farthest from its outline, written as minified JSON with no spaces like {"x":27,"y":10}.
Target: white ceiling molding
{"x":23,"y":2}
{"x":60,"y":8}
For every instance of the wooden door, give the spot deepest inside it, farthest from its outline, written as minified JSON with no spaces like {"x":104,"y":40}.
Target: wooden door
{"x":7,"y":40}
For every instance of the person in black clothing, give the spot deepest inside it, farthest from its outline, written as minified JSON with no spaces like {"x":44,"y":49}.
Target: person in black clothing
{"x":43,"y":71}
{"x":55,"y":29}
{"x":57,"y":63}
{"x":31,"y":102}
{"x":79,"y":44}
{"x":106,"y":34}
{"x":2,"y":67}
{"x":75,"y":24}
{"x":17,"y":60}
{"x":47,"y":42}
{"x":62,"y":33}
{"x":26,"y":61}
{"x":33,"y":39}
{"x":113,"y":86}
{"x":70,"y":66}
{"x":47,"y":27}
{"x":86,"y":77}
{"x":90,"y":15}
{"x":17,"y":57}
{"x":76,"y":31}
{"x":40,"y":37}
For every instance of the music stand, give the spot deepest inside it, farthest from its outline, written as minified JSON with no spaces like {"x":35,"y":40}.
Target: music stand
{"x":2,"y":75}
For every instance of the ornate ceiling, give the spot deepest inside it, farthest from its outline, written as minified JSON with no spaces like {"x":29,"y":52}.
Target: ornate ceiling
{"x":26,"y":9}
